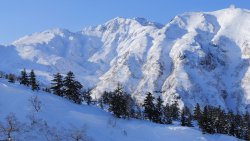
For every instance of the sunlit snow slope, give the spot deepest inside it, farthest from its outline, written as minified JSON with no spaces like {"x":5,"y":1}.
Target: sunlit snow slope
{"x":100,"y":125}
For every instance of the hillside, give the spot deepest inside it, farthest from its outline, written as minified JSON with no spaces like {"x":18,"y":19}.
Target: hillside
{"x":62,"y":115}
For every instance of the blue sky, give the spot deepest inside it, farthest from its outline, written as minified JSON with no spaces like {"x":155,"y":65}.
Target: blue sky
{"x":22,"y":17}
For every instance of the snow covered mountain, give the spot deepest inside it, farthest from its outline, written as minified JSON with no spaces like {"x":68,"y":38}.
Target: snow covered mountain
{"x":95,"y":123}
{"x":200,"y":57}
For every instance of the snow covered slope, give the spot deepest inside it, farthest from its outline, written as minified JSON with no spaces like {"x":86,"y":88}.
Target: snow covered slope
{"x":100,"y":125}
{"x":200,"y":57}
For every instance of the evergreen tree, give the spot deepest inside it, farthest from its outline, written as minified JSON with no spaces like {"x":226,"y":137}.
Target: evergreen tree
{"x":232,"y":129}
{"x":246,"y":127}
{"x":131,"y":107}
{"x":159,"y":111}
{"x":57,"y":84}
{"x":72,"y":88}
{"x":11,"y":78}
{"x":87,"y":96}
{"x":238,"y":126}
{"x":32,"y":81}
{"x":215,"y":120}
{"x":106,"y":97}
{"x":230,"y":123}
{"x":247,"y":135}
{"x":118,"y":103}
{"x":183,"y":118}
{"x":247,"y":119}
{"x":149,"y":107}
{"x":186,"y":117}
{"x":206,"y":123}
{"x":175,"y":111}
{"x":24,"y":79}
{"x":167,"y":118}
{"x":197,"y":112}
{"x":220,"y":122}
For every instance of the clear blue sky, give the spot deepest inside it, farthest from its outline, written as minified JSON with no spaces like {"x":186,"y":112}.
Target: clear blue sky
{"x":22,"y":17}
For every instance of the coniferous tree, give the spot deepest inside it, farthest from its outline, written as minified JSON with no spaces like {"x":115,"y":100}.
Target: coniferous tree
{"x":159,"y":111}
{"x":238,"y":125}
{"x":118,"y":103}
{"x":247,"y":135}
{"x":106,"y":97}
{"x":87,"y":96}
{"x":132,"y":108}
{"x":24,"y":79}
{"x":215,"y":120}
{"x":175,"y":111}
{"x":167,"y":118}
{"x":57,"y":85}
{"x":72,"y":88}
{"x":246,"y":120}
{"x":230,"y":123}
{"x":232,"y":129}
{"x":32,"y":81}
{"x":227,"y":121}
{"x":183,"y":117}
{"x":220,"y":121}
{"x":197,"y":112}
{"x":186,"y":117}
{"x":206,"y":123}
{"x":149,"y":107}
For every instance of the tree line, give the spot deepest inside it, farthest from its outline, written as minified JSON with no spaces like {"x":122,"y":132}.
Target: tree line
{"x":27,"y":79}
{"x":210,"y":119}
{"x":66,"y":87}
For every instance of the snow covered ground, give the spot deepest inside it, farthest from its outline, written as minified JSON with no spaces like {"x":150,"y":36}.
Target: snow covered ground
{"x":100,"y":125}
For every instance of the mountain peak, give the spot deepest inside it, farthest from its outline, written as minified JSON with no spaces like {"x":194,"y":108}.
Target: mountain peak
{"x":231,"y":9}
{"x":57,"y":31}
{"x":135,"y":20}
{"x":42,"y":37}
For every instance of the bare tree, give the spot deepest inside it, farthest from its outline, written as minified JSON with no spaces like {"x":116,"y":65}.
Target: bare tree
{"x":51,"y":133}
{"x":35,"y":103}
{"x":77,"y":134}
{"x":112,"y":122}
{"x":11,"y":127}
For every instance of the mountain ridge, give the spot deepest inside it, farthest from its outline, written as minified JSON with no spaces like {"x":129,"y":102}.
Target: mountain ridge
{"x":198,"y":57}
